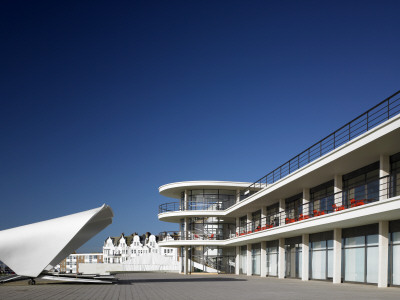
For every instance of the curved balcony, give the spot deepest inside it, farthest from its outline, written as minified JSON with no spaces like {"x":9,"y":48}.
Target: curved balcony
{"x":197,"y":235}
{"x":199,"y":203}
{"x":352,"y":198}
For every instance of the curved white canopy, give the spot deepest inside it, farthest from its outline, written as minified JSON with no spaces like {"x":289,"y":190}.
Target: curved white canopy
{"x":28,"y":250}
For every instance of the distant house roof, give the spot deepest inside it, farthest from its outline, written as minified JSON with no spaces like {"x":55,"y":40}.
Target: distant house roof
{"x":129,"y":238}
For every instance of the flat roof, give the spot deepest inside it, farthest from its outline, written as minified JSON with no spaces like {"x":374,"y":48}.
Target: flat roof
{"x":174,"y":189}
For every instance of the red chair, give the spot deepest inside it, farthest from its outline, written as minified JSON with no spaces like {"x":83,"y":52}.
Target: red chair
{"x":264,"y":227}
{"x":359,"y":202}
{"x":212,"y":236}
{"x":290,"y":220}
{"x":318,"y":213}
{"x":338,"y":207}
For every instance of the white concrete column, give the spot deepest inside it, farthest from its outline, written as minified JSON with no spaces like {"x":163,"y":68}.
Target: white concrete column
{"x":186,"y":261}
{"x":338,"y":187}
{"x":249,"y":219}
{"x":237,"y":195}
{"x":282,"y":207}
{"x":263,"y":272}
{"x":305,"y":256}
{"x":306,"y":195}
{"x":237,"y":260}
{"x":384,"y":170}
{"x":185,"y":229}
{"x":383,"y":260}
{"x":281,"y":259}
{"x":263,"y":215}
{"x":337,"y":255}
{"x":237,"y":226}
{"x":185,"y":203}
{"x":293,"y":262}
{"x":249,"y":262}
{"x":306,"y":199}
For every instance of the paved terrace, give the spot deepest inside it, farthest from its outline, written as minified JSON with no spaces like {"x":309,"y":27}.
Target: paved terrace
{"x":154,"y":286}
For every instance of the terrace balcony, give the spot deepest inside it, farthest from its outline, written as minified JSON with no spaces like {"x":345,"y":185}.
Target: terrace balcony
{"x":200,"y":204}
{"x":350,"y":200}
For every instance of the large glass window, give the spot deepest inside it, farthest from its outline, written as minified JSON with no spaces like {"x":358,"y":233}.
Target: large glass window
{"x":322,"y":198}
{"x":182,"y":206}
{"x":321,"y":255}
{"x":395,"y":175}
{"x":256,"y":258}
{"x":212,"y":259}
{"x":293,"y":207}
{"x":293,"y":258}
{"x":360,"y":254}
{"x":256,"y":218}
{"x":203,"y":199}
{"x":243,"y":260}
{"x":211,"y":228}
{"x":243,"y":225}
{"x":272,"y":252}
{"x":394,"y":253}
{"x":361,"y":185}
{"x":273,"y":215}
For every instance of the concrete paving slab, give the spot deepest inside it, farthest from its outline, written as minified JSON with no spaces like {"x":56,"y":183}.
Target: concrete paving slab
{"x":167,"y":286}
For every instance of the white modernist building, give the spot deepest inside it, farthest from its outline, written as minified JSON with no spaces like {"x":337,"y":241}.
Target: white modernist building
{"x":330,"y":213}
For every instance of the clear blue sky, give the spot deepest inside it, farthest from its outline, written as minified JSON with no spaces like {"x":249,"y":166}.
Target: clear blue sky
{"x":103,"y":102}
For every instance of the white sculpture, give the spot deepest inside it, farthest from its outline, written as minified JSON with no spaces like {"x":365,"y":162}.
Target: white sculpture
{"x":33,"y":249}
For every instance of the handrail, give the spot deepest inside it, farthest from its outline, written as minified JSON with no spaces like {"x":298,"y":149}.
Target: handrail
{"x":209,"y":234}
{"x":334,"y":202}
{"x":331,"y":203}
{"x":387,"y":108}
{"x":206,"y":204}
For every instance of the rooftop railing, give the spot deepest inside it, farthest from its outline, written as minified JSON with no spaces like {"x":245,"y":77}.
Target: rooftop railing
{"x":378,"y":114}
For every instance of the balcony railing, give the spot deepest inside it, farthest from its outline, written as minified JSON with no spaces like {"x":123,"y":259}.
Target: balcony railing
{"x":378,"y":114}
{"x":350,"y":198}
{"x":172,"y":206}
{"x":202,"y":204}
{"x":193,"y":235}
{"x":356,"y":196}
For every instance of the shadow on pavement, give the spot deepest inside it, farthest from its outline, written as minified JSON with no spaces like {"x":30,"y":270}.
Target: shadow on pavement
{"x":202,"y":279}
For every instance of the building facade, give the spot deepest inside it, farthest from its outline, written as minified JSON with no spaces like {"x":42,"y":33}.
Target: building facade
{"x":330,"y":213}
{"x":122,"y":249}
{"x":71,"y":263}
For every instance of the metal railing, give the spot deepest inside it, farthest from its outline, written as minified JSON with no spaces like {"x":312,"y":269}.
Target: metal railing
{"x":221,"y":263}
{"x":335,"y":202}
{"x":202,"y":204}
{"x":353,"y":197}
{"x":378,"y":114}
{"x":172,"y":206}
{"x":193,"y":235}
